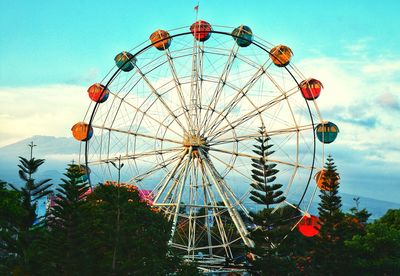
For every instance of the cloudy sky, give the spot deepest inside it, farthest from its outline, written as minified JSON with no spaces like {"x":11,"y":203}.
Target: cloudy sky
{"x":51,"y":51}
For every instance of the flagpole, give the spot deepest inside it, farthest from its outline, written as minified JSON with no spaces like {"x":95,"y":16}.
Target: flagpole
{"x":197,"y":10}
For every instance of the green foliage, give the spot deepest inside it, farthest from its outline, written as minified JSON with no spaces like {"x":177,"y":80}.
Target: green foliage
{"x":11,"y":213}
{"x":10,"y":206}
{"x":391,"y":219}
{"x":273,"y":254}
{"x":329,"y":209}
{"x":109,"y":232}
{"x":377,"y":251}
{"x":329,"y":253}
{"x":62,"y":247}
{"x":22,"y":232}
{"x":32,"y":190}
{"x":263,"y":174}
{"x":361,"y":215}
{"x":141,"y":247}
{"x":272,"y":227}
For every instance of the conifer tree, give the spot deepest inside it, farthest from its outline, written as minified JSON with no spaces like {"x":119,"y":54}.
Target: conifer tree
{"x":69,"y":229}
{"x":10,"y":214}
{"x":330,"y":254}
{"x":31,"y":192}
{"x":263,"y":174}
{"x":361,"y":215}
{"x":269,"y":232}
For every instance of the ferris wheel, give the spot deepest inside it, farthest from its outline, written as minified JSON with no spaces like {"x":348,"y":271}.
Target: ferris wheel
{"x":183,"y":110}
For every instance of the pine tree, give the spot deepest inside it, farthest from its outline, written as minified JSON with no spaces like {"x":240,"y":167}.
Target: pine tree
{"x":329,"y":209}
{"x":263,"y":174}
{"x":269,"y":232}
{"x":69,"y":229}
{"x":362,"y":215}
{"x":11,"y":213}
{"x":330,"y":254}
{"x":31,"y":192}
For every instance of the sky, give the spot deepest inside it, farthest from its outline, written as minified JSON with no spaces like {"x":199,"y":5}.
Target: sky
{"x":51,"y":51}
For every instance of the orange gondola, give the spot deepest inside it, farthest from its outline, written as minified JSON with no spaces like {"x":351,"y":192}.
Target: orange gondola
{"x":160,"y":39}
{"x":82,"y":131}
{"x":320,"y":178}
{"x":281,"y":55}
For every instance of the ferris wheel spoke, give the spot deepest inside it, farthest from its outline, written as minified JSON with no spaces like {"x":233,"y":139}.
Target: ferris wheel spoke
{"x":178,"y":85}
{"x":216,"y":214}
{"x":250,"y":115}
{"x":249,"y":137}
{"x":179,"y":195}
{"x":147,"y":115}
{"x":283,"y":92}
{"x":155,"y":168}
{"x":136,"y":156}
{"x":194,"y":87}
{"x":231,"y":167}
{"x":251,"y":156}
{"x":241,"y":93}
{"x":159,"y":97}
{"x":137,"y":134}
{"x":220,"y":84}
{"x":227,"y":187}
{"x":222,"y":191}
{"x":159,"y":189}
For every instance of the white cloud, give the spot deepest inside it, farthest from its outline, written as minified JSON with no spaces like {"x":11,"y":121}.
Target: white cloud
{"x":382,"y":67}
{"x":358,"y":98}
{"x":44,"y":110}
{"x":388,"y":99}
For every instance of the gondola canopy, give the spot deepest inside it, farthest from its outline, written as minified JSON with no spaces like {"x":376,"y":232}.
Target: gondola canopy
{"x":281,"y":55}
{"x":309,"y":226}
{"x":243,"y":35}
{"x":82,"y":131}
{"x":125,"y":61}
{"x":98,"y":93}
{"x":160,"y":39}
{"x":321,"y":178}
{"x":311,"y":88}
{"x":327,"y":132}
{"x":201,"y":30}
{"x":85,"y":171}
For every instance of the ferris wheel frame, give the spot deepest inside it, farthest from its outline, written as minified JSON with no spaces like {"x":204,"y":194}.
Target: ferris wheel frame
{"x":202,"y":154}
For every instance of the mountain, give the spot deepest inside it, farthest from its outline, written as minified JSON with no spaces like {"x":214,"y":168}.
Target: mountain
{"x":57,"y":151}
{"x":60,"y":151}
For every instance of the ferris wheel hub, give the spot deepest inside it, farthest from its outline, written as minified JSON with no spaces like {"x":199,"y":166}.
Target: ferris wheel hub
{"x":190,"y":140}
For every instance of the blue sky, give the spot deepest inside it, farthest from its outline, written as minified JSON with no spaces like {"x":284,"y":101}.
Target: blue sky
{"x":50,"y":51}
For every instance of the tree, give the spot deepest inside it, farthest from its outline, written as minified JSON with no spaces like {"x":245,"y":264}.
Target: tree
{"x":31,"y":192}
{"x":143,"y":233}
{"x":376,"y":252}
{"x":63,"y":247}
{"x":11,"y":213}
{"x":362,"y":215}
{"x":329,"y":257}
{"x":271,"y":226}
{"x":263,"y":173}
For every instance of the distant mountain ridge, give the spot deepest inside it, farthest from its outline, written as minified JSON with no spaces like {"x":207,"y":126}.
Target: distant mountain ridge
{"x":57,"y":151}
{"x":60,"y":151}
{"x":45,"y":145}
